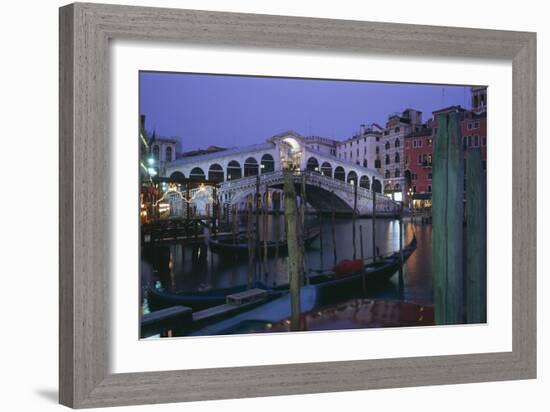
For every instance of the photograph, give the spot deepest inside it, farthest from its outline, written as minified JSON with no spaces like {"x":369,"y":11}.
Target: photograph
{"x":277,"y":204}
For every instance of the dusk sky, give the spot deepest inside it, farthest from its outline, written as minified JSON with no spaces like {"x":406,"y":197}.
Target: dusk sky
{"x":227,"y":111}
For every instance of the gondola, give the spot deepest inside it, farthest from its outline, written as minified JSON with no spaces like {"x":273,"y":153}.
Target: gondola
{"x":330,"y":285}
{"x":239,"y":247}
{"x":333,"y":287}
{"x":159,"y":299}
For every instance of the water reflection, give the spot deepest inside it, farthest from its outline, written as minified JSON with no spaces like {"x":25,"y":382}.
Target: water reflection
{"x":187,"y":268}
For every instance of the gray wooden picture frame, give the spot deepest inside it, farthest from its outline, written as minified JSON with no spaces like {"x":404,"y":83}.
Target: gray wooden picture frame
{"x":85,"y":32}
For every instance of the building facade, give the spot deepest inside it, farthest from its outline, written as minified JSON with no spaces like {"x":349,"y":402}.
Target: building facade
{"x":419,"y":146}
{"x":363,"y":148}
{"x":392,"y":149}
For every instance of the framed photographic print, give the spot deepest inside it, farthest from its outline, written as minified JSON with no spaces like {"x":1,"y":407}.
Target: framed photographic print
{"x":257,"y":205}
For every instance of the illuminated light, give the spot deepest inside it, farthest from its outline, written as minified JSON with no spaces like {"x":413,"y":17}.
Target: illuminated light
{"x":151,"y":161}
{"x":152,"y":172}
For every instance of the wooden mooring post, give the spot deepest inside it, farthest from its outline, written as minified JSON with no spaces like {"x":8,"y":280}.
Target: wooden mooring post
{"x":363,"y":272}
{"x":373,"y":224}
{"x":302,"y":229}
{"x":215,"y":212}
{"x":333,"y":227}
{"x":257,"y":209}
{"x":278,"y":224}
{"x":251,"y":245}
{"x":321,"y":256}
{"x":354,"y":218}
{"x":234,"y":223}
{"x":265,"y":231}
{"x":447,"y":223}
{"x":401,"y":283}
{"x":294,"y":249}
{"x":476,"y":239}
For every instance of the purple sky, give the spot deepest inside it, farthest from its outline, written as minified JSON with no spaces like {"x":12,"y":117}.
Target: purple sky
{"x":228,"y":111}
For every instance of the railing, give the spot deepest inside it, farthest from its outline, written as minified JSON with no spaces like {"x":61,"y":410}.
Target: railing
{"x":317,"y":178}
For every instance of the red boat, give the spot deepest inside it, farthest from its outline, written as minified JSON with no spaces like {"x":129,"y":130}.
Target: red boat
{"x":347,"y":267}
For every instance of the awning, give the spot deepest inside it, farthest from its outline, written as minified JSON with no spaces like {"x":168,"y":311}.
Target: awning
{"x":422,"y":196}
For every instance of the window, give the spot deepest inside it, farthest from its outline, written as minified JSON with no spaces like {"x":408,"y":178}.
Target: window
{"x":168,"y":154}
{"x":377,"y":150}
{"x":387,"y":145}
{"x":415,"y":143}
{"x":420,"y":143}
{"x":419,"y":159}
{"x":430,"y":141}
{"x":469,"y":141}
{"x":484,"y":141}
{"x":406,"y":160}
{"x":414,"y":189}
{"x":397,"y":159}
{"x":397,"y":173}
{"x":476,"y":141}
{"x":429,"y":176}
{"x":387,"y":159}
{"x":429,"y":159}
{"x":397,"y":129}
{"x":429,"y":188}
{"x":387,"y":174}
{"x":397,"y":143}
{"x":357,"y":152}
{"x":365,"y":150}
{"x":365,"y":163}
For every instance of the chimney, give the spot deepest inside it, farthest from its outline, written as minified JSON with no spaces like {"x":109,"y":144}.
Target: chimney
{"x":142,"y":122}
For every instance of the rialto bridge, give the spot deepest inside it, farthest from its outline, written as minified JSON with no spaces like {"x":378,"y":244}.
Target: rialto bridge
{"x":330,"y":182}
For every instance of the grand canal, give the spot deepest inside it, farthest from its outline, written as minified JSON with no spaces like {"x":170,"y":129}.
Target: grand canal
{"x":184,"y":268}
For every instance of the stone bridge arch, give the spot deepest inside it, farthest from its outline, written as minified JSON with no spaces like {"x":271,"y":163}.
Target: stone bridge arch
{"x":319,"y":198}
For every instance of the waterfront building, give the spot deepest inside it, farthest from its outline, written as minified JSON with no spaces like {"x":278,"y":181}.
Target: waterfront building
{"x":363,"y":148}
{"x":163,"y":151}
{"x":419,"y":146}
{"x":392,"y":148}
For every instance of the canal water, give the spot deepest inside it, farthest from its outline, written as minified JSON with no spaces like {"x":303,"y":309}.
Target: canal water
{"x":186,"y":268}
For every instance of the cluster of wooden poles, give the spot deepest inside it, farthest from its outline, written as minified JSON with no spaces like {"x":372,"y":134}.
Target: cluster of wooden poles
{"x":294,"y":223}
{"x":459,"y":251}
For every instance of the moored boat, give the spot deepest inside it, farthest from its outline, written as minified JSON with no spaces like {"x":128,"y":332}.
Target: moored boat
{"x":239,"y":247}
{"x":331,"y":286}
